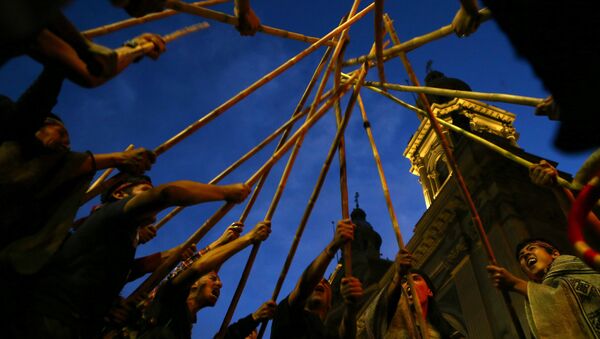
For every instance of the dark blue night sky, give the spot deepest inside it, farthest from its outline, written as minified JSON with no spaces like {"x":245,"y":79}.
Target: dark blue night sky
{"x":153,"y":100}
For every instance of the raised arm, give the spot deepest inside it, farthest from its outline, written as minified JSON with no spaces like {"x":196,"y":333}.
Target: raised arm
{"x":467,"y":19}
{"x":214,"y":258}
{"x":314,"y":272}
{"x":183,"y":193}
{"x":92,"y":65}
{"x":244,"y":327}
{"x":351,"y":291}
{"x":504,"y":280}
{"x":135,"y":161}
{"x":23,"y":118}
{"x":149,"y":263}
{"x":545,"y":175}
{"x":402,"y":265}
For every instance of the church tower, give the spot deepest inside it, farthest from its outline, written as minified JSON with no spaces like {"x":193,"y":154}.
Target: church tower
{"x":445,"y":243}
{"x":424,"y":149}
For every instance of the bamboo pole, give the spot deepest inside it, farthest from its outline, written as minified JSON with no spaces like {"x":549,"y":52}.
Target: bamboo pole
{"x":103,"y":30}
{"x":498,"y":97}
{"x":256,"y":247}
{"x":457,"y":175}
{"x":347,"y":248}
{"x":396,"y":226}
{"x":172,"y":260}
{"x":106,"y":173}
{"x":241,"y":95}
{"x":287,"y":170}
{"x":262,"y":81}
{"x":501,"y":151}
{"x":414,"y":43}
{"x":282,"y":129}
{"x":316,"y":191}
{"x":333,"y":63}
{"x":146,"y":47}
{"x":91,"y":193}
{"x":382,"y":179}
{"x":379,"y":33}
{"x":181,"y":6}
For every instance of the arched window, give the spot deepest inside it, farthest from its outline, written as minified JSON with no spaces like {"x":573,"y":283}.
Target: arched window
{"x":441,"y":168}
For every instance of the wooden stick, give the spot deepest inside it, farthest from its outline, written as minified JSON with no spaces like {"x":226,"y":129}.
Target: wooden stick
{"x":108,"y":183}
{"x":335,"y":59}
{"x":144,"y":48}
{"x":282,"y":182}
{"x":498,"y":97}
{"x":316,"y":191}
{"x":262,"y":81}
{"x":172,"y":260}
{"x":457,"y":175}
{"x":351,"y":308}
{"x":282,"y":129}
{"x":503,"y":152}
{"x":103,"y":30}
{"x":106,"y":173}
{"x":241,"y":95}
{"x":232,"y":20}
{"x":413,"y":43}
{"x":379,"y":33}
{"x":396,"y":226}
{"x":287,"y":170}
{"x":382,"y":179}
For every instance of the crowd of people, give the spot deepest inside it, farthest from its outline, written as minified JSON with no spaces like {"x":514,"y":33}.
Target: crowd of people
{"x":61,"y":278}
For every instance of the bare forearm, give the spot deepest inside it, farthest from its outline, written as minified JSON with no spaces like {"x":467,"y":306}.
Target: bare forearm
{"x":212,"y":259}
{"x":313,"y":274}
{"x":521,"y":288}
{"x":186,"y":193}
{"x":100,"y":162}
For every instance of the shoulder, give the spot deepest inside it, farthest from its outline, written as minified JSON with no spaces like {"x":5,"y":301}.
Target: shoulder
{"x":109,"y":211}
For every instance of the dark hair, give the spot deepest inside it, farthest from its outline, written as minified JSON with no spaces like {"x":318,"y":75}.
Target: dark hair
{"x":433,"y":311}
{"x":528,"y":241}
{"x":128,"y":182}
{"x":55,"y":117}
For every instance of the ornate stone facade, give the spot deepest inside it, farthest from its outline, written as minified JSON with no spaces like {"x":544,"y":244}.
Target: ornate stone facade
{"x":425,"y":151}
{"x":445,"y":242}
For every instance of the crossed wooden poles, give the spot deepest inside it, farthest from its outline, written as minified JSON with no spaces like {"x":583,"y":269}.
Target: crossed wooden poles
{"x":322,"y":102}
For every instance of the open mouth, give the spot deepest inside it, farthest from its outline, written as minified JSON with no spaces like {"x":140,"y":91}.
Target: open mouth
{"x":531,"y":261}
{"x":216,"y":292}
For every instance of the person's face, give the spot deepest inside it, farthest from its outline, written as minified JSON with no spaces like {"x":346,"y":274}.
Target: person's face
{"x":321,"y":296}
{"x":54,"y":135}
{"x":207,"y":289}
{"x":535,"y":260}
{"x":421,"y":288}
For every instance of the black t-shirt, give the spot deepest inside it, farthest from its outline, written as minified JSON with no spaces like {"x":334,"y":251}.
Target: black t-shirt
{"x":90,"y":269}
{"x":294,"y":322}
{"x":241,"y":328}
{"x":40,"y":189}
{"x":168,"y":316}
